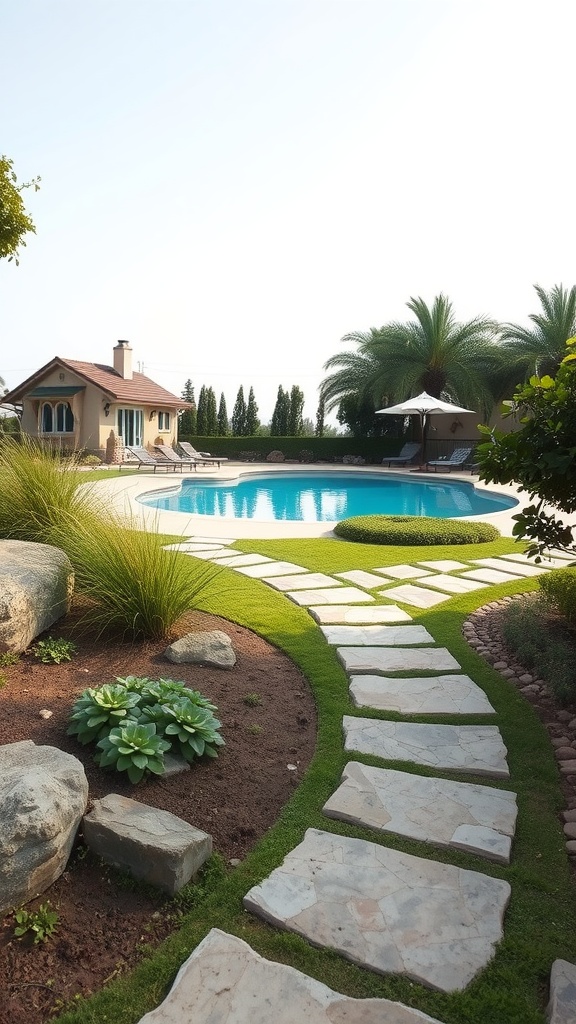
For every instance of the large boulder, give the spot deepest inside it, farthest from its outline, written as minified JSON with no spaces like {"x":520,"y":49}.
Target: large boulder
{"x":36,"y":583}
{"x":43,"y":795}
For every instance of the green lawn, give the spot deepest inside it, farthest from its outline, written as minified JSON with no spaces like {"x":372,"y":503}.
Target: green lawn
{"x":540,"y":923}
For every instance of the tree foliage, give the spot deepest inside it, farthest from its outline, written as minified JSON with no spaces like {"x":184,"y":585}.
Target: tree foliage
{"x":15,"y":222}
{"x":201,"y":413}
{"x":223,"y":424}
{"x":358,"y":414}
{"x":295,"y":413}
{"x":280,"y":416}
{"x":540,"y":349}
{"x":187,"y":419}
{"x":458,"y":362}
{"x":211,"y":414}
{"x":252,"y":421}
{"x":239,"y":414}
{"x":540,"y":456}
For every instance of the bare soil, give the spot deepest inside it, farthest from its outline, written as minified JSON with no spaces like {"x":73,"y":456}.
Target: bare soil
{"x":236,"y":798}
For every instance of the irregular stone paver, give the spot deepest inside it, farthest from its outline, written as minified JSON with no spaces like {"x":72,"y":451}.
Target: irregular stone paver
{"x":195,"y":546}
{"x":565,"y":555}
{"x":386,"y":910}
{"x":214,"y":540}
{"x":210,"y":555}
{"x":271,"y":569}
{"x":509,"y":567}
{"x":234,"y":553}
{"x":400,"y":572}
{"x":562,"y":1006}
{"x":547,"y":563}
{"x":306,"y":581}
{"x":416,"y":596}
{"x":453,"y":584}
{"x":396,"y":659}
{"x":477,"y":819}
{"x":490,"y":576}
{"x":459,"y":748}
{"x":422,"y":695}
{"x":224,"y":981}
{"x":444,"y":565}
{"x":330,"y":596}
{"x":360,"y":578}
{"x":234,"y":561}
{"x":341,"y":613}
{"x":387,"y":636}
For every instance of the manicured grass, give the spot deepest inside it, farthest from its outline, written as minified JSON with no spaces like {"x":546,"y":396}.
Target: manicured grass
{"x":540,"y":923}
{"x":402,"y":530}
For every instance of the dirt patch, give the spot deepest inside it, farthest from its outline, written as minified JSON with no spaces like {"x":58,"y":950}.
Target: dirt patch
{"x":104,"y":921}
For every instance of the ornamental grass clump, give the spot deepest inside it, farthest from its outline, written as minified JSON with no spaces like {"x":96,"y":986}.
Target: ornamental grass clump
{"x":135,"y":721}
{"x":39,"y":491}
{"x":135,"y":588}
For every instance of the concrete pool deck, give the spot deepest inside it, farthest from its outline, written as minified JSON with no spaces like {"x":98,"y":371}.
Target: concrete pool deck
{"x":121,"y":495}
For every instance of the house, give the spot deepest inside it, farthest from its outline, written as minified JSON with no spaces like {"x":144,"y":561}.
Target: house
{"x":79,"y":404}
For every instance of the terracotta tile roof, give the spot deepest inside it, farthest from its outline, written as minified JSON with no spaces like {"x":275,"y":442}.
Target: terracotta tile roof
{"x":139,"y":390}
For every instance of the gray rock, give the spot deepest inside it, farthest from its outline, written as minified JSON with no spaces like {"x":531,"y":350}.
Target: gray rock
{"x":209,"y":648}
{"x":36,"y":584}
{"x":43,"y":795}
{"x":562,"y":1005}
{"x":153,"y":845}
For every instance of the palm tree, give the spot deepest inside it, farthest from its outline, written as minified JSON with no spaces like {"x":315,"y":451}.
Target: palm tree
{"x":541,"y":349}
{"x":457,"y":362}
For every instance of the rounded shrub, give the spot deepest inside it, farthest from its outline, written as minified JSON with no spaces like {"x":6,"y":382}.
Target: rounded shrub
{"x":559,"y":585}
{"x":414,"y":530}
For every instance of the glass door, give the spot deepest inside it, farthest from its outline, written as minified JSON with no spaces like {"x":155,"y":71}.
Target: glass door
{"x":131,"y":427}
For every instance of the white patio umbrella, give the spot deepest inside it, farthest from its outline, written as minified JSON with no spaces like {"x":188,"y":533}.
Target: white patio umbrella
{"x":422,"y":405}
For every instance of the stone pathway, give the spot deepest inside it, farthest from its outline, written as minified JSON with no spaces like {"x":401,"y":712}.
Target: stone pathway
{"x":386,"y":910}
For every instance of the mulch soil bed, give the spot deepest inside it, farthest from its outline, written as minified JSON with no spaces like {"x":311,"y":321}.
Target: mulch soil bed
{"x":103,"y":920}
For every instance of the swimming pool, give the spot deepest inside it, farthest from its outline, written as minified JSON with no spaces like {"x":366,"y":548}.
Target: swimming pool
{"x":326,"y":497}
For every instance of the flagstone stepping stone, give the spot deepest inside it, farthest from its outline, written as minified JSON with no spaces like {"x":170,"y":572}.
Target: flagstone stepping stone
{"x":416,"y":596}
{"x":361,"y":578}
{"x":562,"y":1005}
{"x":547,"y":563}
{"x":444,"y":565}
{"x":453,"y":584}
{"x":386,"y":910}
{"x":329,"y":596}
{"x":490,"y":576}
{"x":235,"y":561}
{"x":211,"y":555}
{"x":271,"y":569}
{"x":556,"y":553}
{"x":457,"y":815}
{"x":341,"y":613}
{"x":400,"y":572}
{"x":422,"y":695}
{"x":306,"y":581}
{"x":193,"y":546}
{"x":234,"y":553}
{"x":396,"y":659}
{"x":387,"y":636}
{"x":478,"y":749}
{"x":225,"y":981}
{"x":214,"y":540}
{"x":502,"y":566}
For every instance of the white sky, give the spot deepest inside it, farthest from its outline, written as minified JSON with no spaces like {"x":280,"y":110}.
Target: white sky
{"x":232,"y":185}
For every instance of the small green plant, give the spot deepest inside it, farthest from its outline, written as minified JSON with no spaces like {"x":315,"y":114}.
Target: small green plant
{"x":559,"y":585}
{"x":3,"y":679}
{"x":542,"y":642}
{"x":194,"y":727}
{"x":54,"y":650}
{"x":252,"y":700}
{"x":97,"y":711}
{"x":133,"y":748}
{"x":42,"y":922}
{"x":255,"y":729}
{"x":8,"y":658}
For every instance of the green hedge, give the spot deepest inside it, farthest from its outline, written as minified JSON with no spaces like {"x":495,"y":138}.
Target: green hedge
{"x":414,"y":530}
{"x":325,"y":449}
{"x":559,"y":585}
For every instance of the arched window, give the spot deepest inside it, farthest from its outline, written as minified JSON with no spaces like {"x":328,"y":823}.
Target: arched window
{"x":64,"y":418}
{"x":47,"y":418}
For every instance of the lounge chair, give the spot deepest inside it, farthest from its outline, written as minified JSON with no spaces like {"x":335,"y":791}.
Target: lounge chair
{"x":191,"y":453}
{"x":410,"y":449}
{"x":169,"y":456}
{"x":144,"y":458}
{"x":456,"y":461}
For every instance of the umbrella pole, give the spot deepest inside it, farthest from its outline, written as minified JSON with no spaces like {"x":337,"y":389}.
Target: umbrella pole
{"x":422,"y":467}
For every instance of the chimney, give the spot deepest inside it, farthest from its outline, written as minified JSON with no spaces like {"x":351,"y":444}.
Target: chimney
{"x":123,"y":359}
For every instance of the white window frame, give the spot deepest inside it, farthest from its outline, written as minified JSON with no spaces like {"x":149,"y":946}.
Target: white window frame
{"x":130,"y":426}
{"x":164,"y":421}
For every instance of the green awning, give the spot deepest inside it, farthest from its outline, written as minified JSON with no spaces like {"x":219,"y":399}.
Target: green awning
{"x":62,"y":392}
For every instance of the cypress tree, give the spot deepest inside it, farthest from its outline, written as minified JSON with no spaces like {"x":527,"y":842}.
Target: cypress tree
{"x":277,"y":415}
{"x":239,"y":414}
{"x":187,"y":419}
{"x":201,"y":421}
{"x":295,"y":409}
{"x":320,"y":412}
{"x":223,"y":424}
{"x":211,"y":413}
{"x":252,"y":421}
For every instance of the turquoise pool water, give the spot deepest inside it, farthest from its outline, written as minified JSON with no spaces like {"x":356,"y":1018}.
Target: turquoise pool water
{"x":326,"y":497}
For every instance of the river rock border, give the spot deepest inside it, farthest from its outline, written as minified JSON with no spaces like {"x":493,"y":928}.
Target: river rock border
{"x":483,"y":633}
